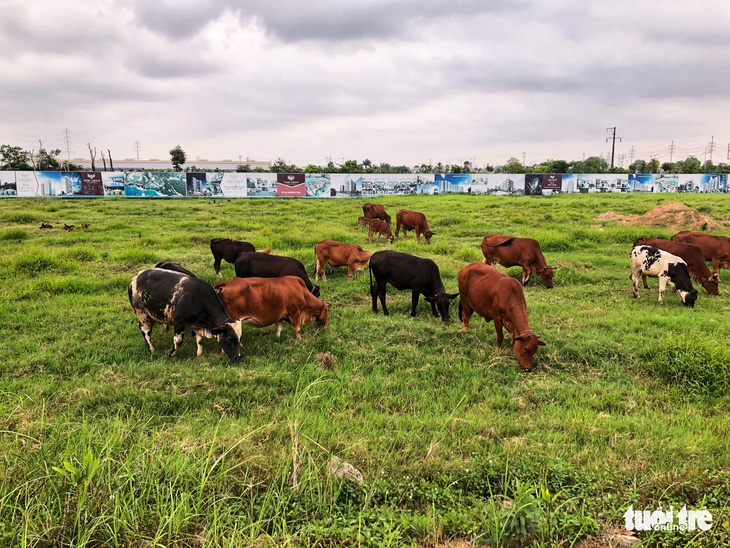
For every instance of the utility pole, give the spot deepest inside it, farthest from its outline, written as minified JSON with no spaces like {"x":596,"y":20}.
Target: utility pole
{"x":711,"y":147}
{"x":67,"y":140}
{"x":136,"y":149}
{"x":523,"y":158}
{"x":621,"y":160}
{"x":631,"y":155}
{"x":671,"y":152}
{"x":613,"y":142}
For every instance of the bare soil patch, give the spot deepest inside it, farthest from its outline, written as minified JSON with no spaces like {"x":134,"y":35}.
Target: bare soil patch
{"x":671,"y":215}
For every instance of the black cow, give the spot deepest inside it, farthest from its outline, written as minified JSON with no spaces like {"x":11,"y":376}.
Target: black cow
{"x":169,"y":265}
{"x":228,"y":249}
{"x":262,"y":265}
{"x":174,"y":298}
{"x":404,"y":271}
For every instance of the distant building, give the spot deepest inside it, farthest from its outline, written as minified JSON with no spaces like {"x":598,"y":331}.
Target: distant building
{"x":130,"y":164}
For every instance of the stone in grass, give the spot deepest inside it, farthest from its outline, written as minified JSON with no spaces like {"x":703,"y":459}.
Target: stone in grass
{"x":341,"y":469}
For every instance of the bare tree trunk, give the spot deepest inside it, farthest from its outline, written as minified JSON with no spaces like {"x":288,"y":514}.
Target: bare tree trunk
{"x":103,"y":159}
{"x":92,"y":153}
{"x":111,"y":163}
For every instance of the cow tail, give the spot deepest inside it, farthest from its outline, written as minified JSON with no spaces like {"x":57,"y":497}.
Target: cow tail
{"x":461,"y":319}
{"x":372,"y":288}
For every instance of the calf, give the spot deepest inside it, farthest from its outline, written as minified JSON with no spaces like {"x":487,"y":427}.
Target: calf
{"x":494,"y":295}
{"x":381,"y":228}
{"x":715,"y":248}
{"x":690,"y":254}
{"x":46,"y":225}
{"x":404,"y":271}
{"x":375,"y":211}
{"x":512,"y":251}
{"x":260,"y":302}
{"x":173,"y":298}
{"x":337,"y":254}
{"x":259,"y":265}
{"x":413,"y":220}
{"x":670,"y":269}
{"x":230,"y":250}
{"x":361,"y":222}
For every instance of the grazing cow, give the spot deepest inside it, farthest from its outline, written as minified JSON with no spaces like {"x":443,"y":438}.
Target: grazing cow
{"x":228,"y":249}
{"x":337,"y":254}
{"x":69,"y":227}
{"x":404,"y":271}
{"x":690,"y":254}
{"x":46,"y":225}
{"x":174,"y":298}
{"x":669,"y":268}
{"x":512,"y":251}
{"x":496,"y":296}
{"x":260,"y":302}
{"x":361,"y":222}
{"x":715,"y":248}
{"x":381,"y":228}
{"x":168,"y":265}
{"x":375,"y":211}
{"x":412,"y":220}
{"x":85,"y":226}
{"x":260,"y":265}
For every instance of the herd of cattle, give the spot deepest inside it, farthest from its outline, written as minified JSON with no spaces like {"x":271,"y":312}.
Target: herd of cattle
{"x":270,"y":289}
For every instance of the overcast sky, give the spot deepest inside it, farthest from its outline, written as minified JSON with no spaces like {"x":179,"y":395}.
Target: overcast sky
{"x":396,"y":81}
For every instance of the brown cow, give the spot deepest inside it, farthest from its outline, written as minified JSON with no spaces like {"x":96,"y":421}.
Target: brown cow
{"x":692,"y":255}
{"x":413,"y":220}
{"x":337,"y":254}
{"x":715,"y":248}
{"x":362,"y":221}
{"x":46,"y":225}
{"x":375,"y":211}
{"x":512,"y":251}
{"x":260,"y":302}
{"x":381,"y":228}
{"x":495,"y":296}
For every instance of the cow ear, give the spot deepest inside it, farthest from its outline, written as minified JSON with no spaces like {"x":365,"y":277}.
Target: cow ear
{"x":541,"y":343}
{"x":218,"y":289}
{"x":453,"y":295}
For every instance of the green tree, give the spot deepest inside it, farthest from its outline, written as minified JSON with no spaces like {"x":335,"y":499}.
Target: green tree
{"x":177,"y":157}
{"x":311,"y":168}
{"x":280,"y":166}
{"x":513,"y":165}
{"x":14,"y":158}
{"x":638,"y":167}
{"x":652,"y":166}
{"x":46,"y":160}
{"x":690,"y":165}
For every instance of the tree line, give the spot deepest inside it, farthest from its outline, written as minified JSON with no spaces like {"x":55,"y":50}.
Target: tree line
{"x":15,"y":158}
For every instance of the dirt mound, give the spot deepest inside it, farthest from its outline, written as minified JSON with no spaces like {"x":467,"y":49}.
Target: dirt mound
{"x":670,"y":215}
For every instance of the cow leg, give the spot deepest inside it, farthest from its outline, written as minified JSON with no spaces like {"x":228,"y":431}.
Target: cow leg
{"x":177,"y":340}
{"x":145,"y":326}
{"x":526,"y":274}
{"x":199,"y":342}
{"x":465,"y":312}
{"x":296,"y":322}
{"x":634,"y":277}
{"x":716,"y":264}
{"x":316,"y":268}
{"x":662,"y":287}
{"x":498,"y":327}
{"x":381,"y":294}
{"x":217,"y":264}
{"x":433,"y":309}
{"x":414,"y":302}
{"x":279,"y":327}
{"x":350,"y":270}
{"x":643,"y":277}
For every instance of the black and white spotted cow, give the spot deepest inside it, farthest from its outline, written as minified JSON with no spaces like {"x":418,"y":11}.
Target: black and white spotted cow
{"x":168,"y":297}
{"x":670,"y":269}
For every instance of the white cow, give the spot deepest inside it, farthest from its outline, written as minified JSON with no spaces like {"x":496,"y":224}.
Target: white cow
{"x":670,"y":269}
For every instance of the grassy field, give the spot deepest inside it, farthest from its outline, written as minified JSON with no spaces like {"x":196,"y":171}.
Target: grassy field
{"x":105,"y":445}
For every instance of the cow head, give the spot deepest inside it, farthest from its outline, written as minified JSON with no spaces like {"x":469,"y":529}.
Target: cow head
{"x":362,"y":221}
{"x":229,"y":339}
{"x":525,"y":346}
{"x":688,"y":297}
{"x":362,"y":259}
{"x":546,"y":275}
{"x":711,"y":285}
{"x":442,"y":300}
{"x":390,"y":236}
{"x":428,"y":235}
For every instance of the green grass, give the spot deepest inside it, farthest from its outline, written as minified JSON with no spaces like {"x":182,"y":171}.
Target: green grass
{"x":104,"y":444}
